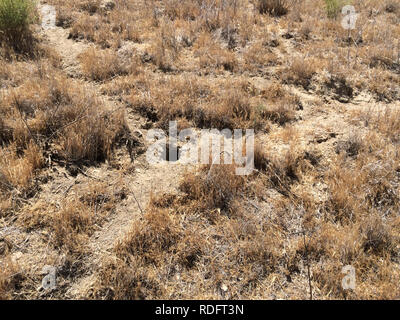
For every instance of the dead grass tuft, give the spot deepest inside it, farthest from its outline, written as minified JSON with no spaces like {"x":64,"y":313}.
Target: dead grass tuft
{"x":300,"y":72}
{"x":213,"y":189}
{"x":10,"y":278}
{"x":102,"y":65}
{"x":273,"y":7}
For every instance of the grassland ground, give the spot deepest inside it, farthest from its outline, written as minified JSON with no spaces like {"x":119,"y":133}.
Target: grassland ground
{"x":78,"y":194}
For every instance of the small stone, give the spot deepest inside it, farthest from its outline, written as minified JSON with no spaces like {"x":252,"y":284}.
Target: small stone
{"x":224,"y":288}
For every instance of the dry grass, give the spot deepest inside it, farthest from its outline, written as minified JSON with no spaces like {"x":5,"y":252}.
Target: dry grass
{"x":70,"y":225}
{"x":17,"y":171}
{"x":166,"y":245}
{"x":225,"y":106}
{"x":10,"y":278}
{"x":273,"y":7}
{"x":15,"y":30}
{"x":102,"y":65}
{"x":79,"y":124}
{"x":300,"y":72}
{"x":214,"y":189}
{"x":325,"y":192}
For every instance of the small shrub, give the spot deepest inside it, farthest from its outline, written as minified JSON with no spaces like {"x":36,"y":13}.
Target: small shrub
{"x":91,"y":6}
{"x":352,"y":146}
{"x":391,"y":6}
{"x":17,"y":171}
{"x":273,"y":7}
{"x":64,"y":18}
{"x":93,"y":138}
{"x":10,"y":278}
{"x":71,"y":225}
{"x":15,"y":18}
{"x":102,"y":65}
{"x":377,"y":237}
{"x":127,"y":280}
{"x":333,"y":7}
{"x":300,"y":72}
{"x":216,"y":186}
{"x":278,"y":113}
{"x":156,"y":233}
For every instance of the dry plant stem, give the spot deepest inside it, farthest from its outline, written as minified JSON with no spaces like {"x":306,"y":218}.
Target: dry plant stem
{"x":308,"y":265}
{"x":348,"y":50}
{"x":17,"y":106}
{"x":137,"y":201}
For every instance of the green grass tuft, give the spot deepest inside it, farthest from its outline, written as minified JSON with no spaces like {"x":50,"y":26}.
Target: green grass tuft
{"x":15,"y":18}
